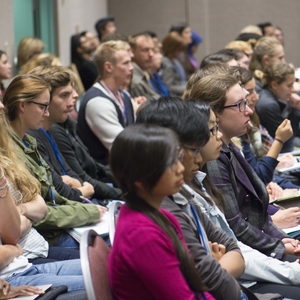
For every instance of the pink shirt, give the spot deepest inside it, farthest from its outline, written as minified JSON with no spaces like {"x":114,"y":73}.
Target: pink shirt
{"x":143,"y":262}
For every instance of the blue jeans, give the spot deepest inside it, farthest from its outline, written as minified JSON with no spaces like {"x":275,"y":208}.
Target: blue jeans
{"x":66,"y":272}
{"x":66,"y":241}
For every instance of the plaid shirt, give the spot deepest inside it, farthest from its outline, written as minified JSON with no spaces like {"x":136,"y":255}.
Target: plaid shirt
{"x":246,"y":202}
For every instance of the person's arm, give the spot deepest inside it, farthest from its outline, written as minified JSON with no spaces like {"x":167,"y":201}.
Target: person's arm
{"x":102,"y":118}
{"x":8,"y":253}
{"x":219,"y":282}
{"x":35,"y":210}
{"x":267,"y":241}
{"x":68,"y":214}
{"x":70,"y":151}
{"x":9,"y":217}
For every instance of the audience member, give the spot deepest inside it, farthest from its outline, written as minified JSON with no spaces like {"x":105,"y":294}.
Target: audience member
{"x":278,"y":34}
{"x":223,"y":57}
{"x":241,"y":45}
{"x":27,"y":48}
{"x":172,"y":73}
{"x":142,"y":47}
{"x":5,"y":70}
{"x":26,"y":96}
{"x":143,"y":228}
{"x":106,"y":108}
{"x":252,"y":29}
{"x":245,"y":194}
{"x":62,"y":100}
{"x":185,"y":31}
{"x":267,"y":28}
{"x":83,"y":46}
{"x":105,"y":26}
{"x":218,"y":273}
{"x":43,"y":59}
{"x":192,"y":49}
{"x":273,"y":105}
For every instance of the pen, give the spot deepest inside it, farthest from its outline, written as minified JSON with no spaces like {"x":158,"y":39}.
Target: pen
{"x":86,"y":200}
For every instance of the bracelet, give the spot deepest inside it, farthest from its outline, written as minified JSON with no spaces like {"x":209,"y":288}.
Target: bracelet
{"x":280,"y":141}
{"x":5,"y":193}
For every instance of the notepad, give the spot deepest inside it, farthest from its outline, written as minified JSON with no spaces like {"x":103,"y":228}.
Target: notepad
{"x":101,"y":228}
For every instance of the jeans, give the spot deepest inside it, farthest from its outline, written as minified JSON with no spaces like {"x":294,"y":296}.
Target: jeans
{"x":66,"y":241}
{"x":66,"y":272}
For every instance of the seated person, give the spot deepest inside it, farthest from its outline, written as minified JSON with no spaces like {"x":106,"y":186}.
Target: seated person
{"x":246,"y":196}
{"x":142,"y":47}
{"x":83,"y":46}
{"x":219,"y":277}
{"x":106,"y":109}
{"x":143,"y":228}
{"x":105,"y":26}
{"x":26,"y":105}
{"x":172,"y":72}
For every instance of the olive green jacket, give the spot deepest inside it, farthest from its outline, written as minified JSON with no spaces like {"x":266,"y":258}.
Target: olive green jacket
{"x":67,"y":213}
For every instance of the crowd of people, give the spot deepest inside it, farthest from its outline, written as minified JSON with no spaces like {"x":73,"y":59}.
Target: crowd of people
{"x":192,"y":147}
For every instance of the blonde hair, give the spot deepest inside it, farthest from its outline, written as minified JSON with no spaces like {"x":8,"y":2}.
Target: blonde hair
{"x":264,"y":46}
{"x":106,"y":52}
{"x":28,"y":47}
{"x":252,"y":29}
{"x":240,"y":45}
{"x":43,"y":59}
{"x":277,"y":72}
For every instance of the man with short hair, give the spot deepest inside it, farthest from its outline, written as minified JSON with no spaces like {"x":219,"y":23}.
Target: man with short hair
{"x":106,"y":108}
{"x":105,"y":26}
{"x":142,"y":47}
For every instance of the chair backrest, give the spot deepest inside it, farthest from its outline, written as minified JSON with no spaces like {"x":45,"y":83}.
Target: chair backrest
{"x":94,"y":258}
{"x":113,"y":213}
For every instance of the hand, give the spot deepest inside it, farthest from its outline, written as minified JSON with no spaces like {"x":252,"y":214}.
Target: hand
{"x":274,"y":190}
{"x":102,"y":210}
{"x":285,"y":161}
{"x":13,"y":291}
{"x":137,"y":101}
{"x":284,"y":131}
{"x":291,"y":246}
{"x":294,"y":100}
{"x":217,"y":250}
{"x":87,"y":189}
{"x":70,"y":181}
{"x":285,"y":218}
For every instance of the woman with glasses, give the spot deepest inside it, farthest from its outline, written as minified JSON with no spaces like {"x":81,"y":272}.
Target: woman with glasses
{"x":149,"y":258}
{"x":246,"y":198}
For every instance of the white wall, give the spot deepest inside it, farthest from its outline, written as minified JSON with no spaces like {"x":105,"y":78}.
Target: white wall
{"x":74,"y":16}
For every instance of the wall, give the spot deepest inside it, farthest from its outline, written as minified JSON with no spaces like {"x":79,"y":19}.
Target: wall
{"x":74,"y":16}
{"x":218,"y":21}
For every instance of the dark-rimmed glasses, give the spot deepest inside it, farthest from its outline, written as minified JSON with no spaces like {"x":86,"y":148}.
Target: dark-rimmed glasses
{"x":214,"y":130}
{"x":195,"y":150}
{"x":41,"y":105}
{"x":241,"y":105}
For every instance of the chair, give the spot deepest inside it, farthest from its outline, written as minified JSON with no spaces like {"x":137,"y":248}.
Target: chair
{"x":94,"y":257}
{"x":113,"y":212}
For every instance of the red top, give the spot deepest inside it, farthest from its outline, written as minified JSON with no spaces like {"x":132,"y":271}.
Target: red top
{"x":143,"y":262}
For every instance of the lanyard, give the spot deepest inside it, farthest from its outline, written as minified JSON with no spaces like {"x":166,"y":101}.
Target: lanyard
{"x":119,"y":100}
{"x":199,"y":229}
{"x":55,"y":150}
{"x":41,"y":163}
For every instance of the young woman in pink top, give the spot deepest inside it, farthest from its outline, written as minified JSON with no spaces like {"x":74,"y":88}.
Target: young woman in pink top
{"x":149,"y":258}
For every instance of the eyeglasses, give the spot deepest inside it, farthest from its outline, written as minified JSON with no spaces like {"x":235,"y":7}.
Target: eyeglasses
{"x":214,"y":130}
{"x":195,"y":150}
{"x":241,"y":105}
{"x":44,"y":107}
